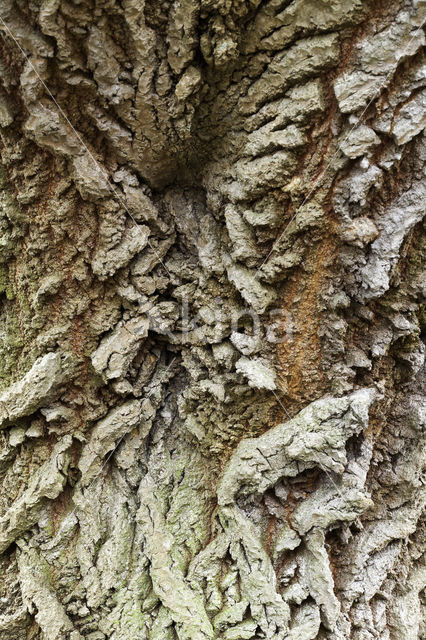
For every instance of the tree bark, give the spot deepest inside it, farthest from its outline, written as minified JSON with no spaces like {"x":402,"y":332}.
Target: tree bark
{"x":212,"y":304}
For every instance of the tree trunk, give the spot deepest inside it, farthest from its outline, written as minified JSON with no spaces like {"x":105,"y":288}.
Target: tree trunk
{"x":211,"y":407}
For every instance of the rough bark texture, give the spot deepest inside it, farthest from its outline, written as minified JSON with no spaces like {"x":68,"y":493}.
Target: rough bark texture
{"x":211,"y":411}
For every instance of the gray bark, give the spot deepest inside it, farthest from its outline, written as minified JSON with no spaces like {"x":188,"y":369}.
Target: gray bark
{"x":212,"y":304}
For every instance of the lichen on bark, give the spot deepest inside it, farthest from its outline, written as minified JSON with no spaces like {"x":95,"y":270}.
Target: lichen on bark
{"x":212,"y":320}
